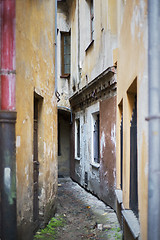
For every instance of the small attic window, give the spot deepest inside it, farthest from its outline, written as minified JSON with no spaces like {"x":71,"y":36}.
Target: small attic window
{"x":65,"y":53}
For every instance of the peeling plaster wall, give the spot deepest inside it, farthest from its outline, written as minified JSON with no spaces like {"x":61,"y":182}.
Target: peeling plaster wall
{"x":101,"y":177}
{"x":87,"y":65}
{"x":132,"y":64}
{"x":35,"y":73}
{"x":108,"y":150}
{"x":63,"y":25}
{"x":84,"y":164}
{"x":100,"y":55}
{"x":103,"y":52}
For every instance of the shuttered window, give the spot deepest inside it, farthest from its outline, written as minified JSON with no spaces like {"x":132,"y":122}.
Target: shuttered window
{"x":77,"y":139}
{"x":96,"y":138}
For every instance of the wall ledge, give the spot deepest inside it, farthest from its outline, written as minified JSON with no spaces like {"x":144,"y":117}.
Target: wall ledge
{"x":95,"y":165}
{"x":132,"y":222}
{"x":119,"y":195}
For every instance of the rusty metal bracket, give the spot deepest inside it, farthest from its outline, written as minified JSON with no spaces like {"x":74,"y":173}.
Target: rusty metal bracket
{"x":152,"y":117}
{"x":58,"y":96}
{"x":5,"y":72}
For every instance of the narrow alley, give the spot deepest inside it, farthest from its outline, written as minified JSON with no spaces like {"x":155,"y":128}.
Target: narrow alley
{"x":86,"y":217}
{"x":79,"y":119}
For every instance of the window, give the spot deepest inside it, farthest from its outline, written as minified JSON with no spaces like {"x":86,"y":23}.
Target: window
{"x":65,"y":53}
{"x":121,"y":149}
{"x":92,"y":20}
{"x":89,"y":21}
{"x":96,"y":143}
{"x":120,"y":107}
{"x":77,"y":138}
{"x":133,"y":161}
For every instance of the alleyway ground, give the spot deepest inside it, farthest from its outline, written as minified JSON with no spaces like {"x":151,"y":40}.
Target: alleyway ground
{"x":86,"y":217}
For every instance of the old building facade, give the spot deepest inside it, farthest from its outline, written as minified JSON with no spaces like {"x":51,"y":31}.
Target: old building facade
{"x":132,"y":110}
{"x":87,"y":56}
{"x":36,"y":107}
{"x":95,"y":32}
{"x":91,"y":56}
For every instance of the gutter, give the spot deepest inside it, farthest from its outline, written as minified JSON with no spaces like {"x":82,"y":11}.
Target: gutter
{"x":56,"y":48}
{"x":154,"y":119}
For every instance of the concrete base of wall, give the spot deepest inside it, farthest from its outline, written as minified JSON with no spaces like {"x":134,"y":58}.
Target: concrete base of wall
{"x":25,"y":230}
{"x":128,"y":221}
{"x":50,"y":211}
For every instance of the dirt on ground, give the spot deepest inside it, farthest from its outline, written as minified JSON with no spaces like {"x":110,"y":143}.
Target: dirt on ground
{"x":85,"y":216}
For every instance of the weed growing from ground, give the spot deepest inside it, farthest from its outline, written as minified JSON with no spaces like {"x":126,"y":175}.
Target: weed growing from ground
{"x":49,"y":232}
{"x":114,"y":232}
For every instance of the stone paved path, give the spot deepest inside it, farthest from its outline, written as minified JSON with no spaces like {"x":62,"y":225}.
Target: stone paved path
{"x":86,"y":217}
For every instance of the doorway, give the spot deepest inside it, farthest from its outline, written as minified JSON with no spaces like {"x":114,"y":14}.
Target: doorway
{"x":64,"y":131}
{"x":35,"y":167}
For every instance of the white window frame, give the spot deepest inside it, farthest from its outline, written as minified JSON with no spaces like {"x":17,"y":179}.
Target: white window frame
{"x":94,"y":116}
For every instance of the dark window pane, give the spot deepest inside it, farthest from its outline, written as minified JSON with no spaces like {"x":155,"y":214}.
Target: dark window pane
{"x":133,"y":162}
{"x":78,"y":138}
{"x":96,"y":140}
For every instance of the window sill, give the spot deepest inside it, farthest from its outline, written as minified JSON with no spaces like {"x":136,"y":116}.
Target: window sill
{"x":77,"y":159}
{"x":95,"y":165}
{"x":132,"y":222}
{"x":65,"y":75}
{"x":91,"y":44}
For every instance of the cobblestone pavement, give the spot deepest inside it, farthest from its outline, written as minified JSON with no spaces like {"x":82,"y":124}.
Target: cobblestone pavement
{"x":86,"y":217}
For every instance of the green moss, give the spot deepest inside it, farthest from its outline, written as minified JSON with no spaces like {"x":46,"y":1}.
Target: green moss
{"x":49,"y":232}
{"x":118,"y":236}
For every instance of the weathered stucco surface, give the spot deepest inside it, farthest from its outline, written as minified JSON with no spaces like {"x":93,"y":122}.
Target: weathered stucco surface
{"x":86,"y":65}
{"x":35,"y":74}
{"x":99,"y":55}
{"x":89,"y":60}
{"x":108,"y":150}
{"x":132,"y":78}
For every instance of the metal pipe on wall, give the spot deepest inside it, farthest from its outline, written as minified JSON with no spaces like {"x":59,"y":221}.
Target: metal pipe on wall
{"x":56,"y":47}
{"x":154,"y":119}
{"x":7,"y":122}
{"x":8,"y":55}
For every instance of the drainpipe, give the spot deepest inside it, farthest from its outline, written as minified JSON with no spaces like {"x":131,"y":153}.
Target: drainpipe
{"x":7,"y":121}
{"x":56,"y":90}
{"x":154,"y":120}
{"x":79,"y":67}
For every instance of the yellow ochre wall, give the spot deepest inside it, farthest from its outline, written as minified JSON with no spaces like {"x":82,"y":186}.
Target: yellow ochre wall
{"x":35,"y":36}
{"x":132,"y":77}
